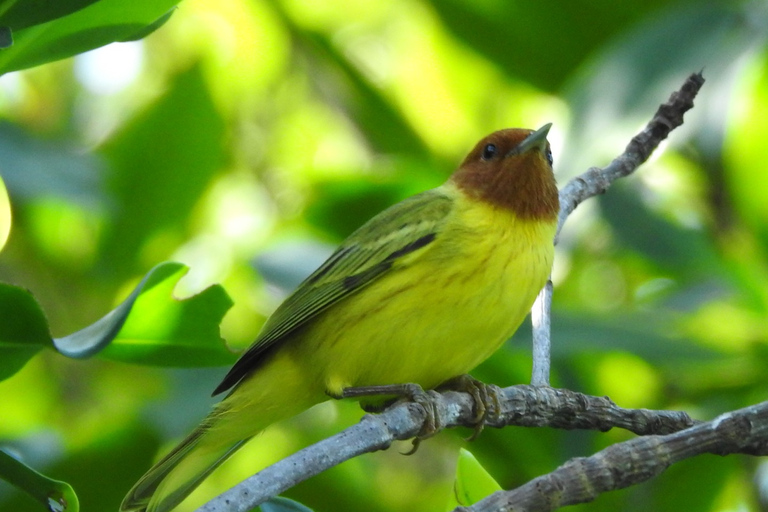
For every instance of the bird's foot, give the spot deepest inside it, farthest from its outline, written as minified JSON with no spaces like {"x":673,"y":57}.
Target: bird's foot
{"x":487,"y":399}
{"x":407,"y":392}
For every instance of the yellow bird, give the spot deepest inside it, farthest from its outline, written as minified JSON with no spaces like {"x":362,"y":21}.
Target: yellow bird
{"x":422,"y":293}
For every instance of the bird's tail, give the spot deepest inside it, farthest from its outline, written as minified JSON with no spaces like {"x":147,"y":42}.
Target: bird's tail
{"x":172,"y":479}
{"x":277,"y":391}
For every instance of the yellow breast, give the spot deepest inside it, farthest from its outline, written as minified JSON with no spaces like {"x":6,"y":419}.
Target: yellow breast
{"x":442,"y":312}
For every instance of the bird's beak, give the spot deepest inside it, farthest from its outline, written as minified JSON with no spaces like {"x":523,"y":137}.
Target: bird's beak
{"x":537,"y":140}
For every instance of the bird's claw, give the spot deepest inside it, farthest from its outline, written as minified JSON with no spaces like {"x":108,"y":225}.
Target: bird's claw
{"x":428,"y":400}
{"x":486,"y":397}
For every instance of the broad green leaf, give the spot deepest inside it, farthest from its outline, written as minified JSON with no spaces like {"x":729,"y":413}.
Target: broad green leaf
{"x":5,"y":214}
{"x":162,"y":163}
{"x":98,"y":24}
{"x":23,"y":329}
{"x":472,"y":483}
{"x":19,"y":14}
{"x":280,"y":504}
{"x":53,"y":495}
{"x":150,"y":327}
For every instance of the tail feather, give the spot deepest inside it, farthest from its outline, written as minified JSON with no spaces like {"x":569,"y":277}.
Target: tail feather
{"x":172,"y":479}
{"x":277,"y":391}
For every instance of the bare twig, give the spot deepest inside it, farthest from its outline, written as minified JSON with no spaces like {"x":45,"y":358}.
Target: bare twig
{"x":624,"y":464}
{"x":596,"y":181}
{"x":520,"y":405}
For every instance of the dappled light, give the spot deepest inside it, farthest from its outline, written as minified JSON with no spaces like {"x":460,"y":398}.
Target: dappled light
{"x":245,"y":139}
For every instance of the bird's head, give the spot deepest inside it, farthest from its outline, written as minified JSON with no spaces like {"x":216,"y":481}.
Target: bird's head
{"x":512,"y":169}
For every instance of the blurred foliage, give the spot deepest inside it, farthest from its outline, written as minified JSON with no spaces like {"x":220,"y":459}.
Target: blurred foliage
{"x":245,"y":138}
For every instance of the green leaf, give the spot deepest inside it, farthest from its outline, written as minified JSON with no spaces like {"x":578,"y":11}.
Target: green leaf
{"x":98,"y":24}
{"x":511,"y":34}
{"x":54,"y":495}
{"x":23,"y":329}
{"x":384,"y":125}
{"x":162,"y":162}
{"x":145,"y":31}
{"x":19,"y":14}
{"x":150,"y":327}
{"x":280,"y":504}
{"x":472,"y":483}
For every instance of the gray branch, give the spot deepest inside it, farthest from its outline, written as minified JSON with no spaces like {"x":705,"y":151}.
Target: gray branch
{"x":596,"y":181}
{"x":528,"y":406}
{"x":621,"y":465}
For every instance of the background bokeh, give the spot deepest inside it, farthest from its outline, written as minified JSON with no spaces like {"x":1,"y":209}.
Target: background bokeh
{"x":245,"y":138}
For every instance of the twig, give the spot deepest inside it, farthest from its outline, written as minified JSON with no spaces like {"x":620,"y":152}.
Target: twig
{"x":596,"y":181}
{"x":581,"y":480}
{"x":521,"y":405}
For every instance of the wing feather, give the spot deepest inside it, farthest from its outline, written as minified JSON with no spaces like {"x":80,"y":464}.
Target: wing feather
{"x":370,"y":252}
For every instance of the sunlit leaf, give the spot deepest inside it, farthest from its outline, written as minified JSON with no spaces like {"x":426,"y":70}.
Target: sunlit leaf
{"x":472,"y":483}
{"x":53,"y":495}
{"x":384,"y":126}
{"x":150,"y":327}
{"x":23,"y":329}
{"x":98,"y":24}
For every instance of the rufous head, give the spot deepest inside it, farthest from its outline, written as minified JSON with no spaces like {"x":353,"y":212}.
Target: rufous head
{"x":512,"y":169}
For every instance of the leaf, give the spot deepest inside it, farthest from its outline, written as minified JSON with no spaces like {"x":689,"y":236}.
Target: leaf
{"x":511,"y":34}
{"x":5,"y":214}
{"x":280,"y":504}
{"x":98,"y":24}
{"x":162,"y":163}
{"x":472,"y":483}
{"x":149,"y":328}
{"x":384,"y":125}
{"x":54,"y":495}
{"x":23,"y":329}
{"x":22,"y":14}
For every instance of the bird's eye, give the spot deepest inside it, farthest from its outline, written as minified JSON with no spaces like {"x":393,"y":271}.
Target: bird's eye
{"x":489,"y":151}
{"x":548,"y":156}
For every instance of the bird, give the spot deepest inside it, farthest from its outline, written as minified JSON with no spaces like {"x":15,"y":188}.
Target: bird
{"x":420,"y":294}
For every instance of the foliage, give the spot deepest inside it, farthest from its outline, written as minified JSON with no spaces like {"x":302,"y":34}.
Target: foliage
{"x":244,"y":138}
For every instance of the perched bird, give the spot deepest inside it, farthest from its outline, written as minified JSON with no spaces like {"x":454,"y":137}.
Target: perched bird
{"x":421,"y":293}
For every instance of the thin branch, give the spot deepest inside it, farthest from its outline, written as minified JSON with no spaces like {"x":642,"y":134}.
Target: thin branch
{"x":521,"y":405}
{"x":621,"y":465}
{"x":596,"y":181}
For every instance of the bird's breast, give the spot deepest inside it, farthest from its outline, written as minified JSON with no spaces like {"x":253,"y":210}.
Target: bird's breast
{"x":441,"y":314}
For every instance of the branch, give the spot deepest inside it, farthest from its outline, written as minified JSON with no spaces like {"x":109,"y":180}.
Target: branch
{"x":581,"y":480}
{"x":596,"y":181}
{"x":521,"y":405}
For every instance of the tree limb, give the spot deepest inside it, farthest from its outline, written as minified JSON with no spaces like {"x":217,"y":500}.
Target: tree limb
{"x":596,"y":181}
{"x":527,"y":406}
{"x":621,"y":465}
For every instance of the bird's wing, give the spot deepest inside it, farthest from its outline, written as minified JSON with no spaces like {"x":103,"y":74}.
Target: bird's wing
{"x":366,"y":255}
